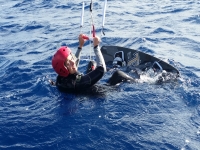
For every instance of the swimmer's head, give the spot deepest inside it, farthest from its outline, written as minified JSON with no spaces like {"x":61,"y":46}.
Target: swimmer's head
{"x":62,"y":58}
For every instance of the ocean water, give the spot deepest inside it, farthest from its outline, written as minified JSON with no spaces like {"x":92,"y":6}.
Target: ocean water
{"x":36,"y":115}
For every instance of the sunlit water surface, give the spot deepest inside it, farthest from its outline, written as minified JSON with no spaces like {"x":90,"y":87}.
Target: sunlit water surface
{"x":35,"y":115}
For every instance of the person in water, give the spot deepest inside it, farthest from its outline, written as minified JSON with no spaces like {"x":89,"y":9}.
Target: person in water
{"x":65,"y":64}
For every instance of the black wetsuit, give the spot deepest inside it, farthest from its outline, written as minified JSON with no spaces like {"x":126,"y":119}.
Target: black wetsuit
{"x":79,"y":82}
{"x":119,"y":76}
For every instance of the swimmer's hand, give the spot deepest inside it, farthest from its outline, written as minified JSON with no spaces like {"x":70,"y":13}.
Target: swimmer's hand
{"x":96,"y":41}
{"x":81,"y":40}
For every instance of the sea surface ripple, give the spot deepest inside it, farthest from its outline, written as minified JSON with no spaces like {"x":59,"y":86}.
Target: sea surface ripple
{"x":36,"y":115}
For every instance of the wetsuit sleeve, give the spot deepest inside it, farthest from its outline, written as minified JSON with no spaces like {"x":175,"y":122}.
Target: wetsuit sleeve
{"x":78,"y":54}
{"x":118,"y":77}
{"x":85,"y":81}
{"x":88,"y":80}
{"x":99,"y":57}
{"x":80,"y":82}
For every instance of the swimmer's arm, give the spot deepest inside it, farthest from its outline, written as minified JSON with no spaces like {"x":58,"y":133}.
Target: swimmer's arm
{"x":78,"y":55}
{"x":78,"y":52}
{"x":99,"y":57}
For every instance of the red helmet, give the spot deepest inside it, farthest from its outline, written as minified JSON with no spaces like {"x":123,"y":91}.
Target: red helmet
{"x":58,"y":61}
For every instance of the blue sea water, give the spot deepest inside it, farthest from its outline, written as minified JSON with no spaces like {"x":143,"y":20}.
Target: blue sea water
{"x":36,"y":115}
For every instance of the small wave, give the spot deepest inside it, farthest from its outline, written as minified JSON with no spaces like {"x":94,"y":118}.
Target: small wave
{"x":32,"y":26}
{"x":162,"y":30}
